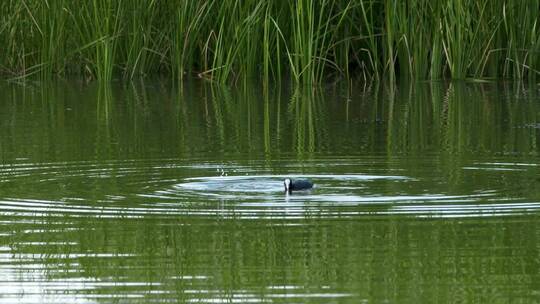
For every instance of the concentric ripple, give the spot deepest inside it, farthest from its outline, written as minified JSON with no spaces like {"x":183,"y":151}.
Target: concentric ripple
{"x":264,"y":187}
{"x":176,"y":188}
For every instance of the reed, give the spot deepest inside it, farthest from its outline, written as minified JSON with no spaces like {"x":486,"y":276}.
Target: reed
{"x":308,"y":41}
{"x":50,"y":22}
{"x":15,"y":39}
{"x":142,"y":48}
{"x":521,"y":30}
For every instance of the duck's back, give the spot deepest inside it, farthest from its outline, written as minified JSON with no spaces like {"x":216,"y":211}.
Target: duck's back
{"x":301,"y":185}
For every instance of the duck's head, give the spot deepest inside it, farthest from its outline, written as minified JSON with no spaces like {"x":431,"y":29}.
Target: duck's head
{"x":287,"y":182}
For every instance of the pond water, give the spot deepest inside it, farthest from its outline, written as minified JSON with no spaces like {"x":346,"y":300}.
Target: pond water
{"x":150,"y":193}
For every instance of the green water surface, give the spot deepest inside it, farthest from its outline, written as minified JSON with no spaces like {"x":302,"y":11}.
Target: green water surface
{"x":150,"y":193}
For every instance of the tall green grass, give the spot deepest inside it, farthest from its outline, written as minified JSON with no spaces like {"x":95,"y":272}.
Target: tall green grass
{"x":307,"y":41}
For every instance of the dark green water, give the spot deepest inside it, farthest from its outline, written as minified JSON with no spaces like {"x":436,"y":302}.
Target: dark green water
{"x":144,"y":193}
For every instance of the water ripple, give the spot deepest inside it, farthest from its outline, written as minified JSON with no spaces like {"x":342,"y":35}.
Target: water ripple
{"x":169,"y":188}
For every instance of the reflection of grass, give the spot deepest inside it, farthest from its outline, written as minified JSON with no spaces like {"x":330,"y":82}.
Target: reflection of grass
{"x":310,"y":41}
{"x":104,"y":134}
{"x":180,"y":258}
{"x":462,"y":121}
{"x":459,"y":118}
{"x":304,"y":111}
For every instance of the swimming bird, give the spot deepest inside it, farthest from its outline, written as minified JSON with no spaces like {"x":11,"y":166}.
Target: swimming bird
{"x":291,"y":185}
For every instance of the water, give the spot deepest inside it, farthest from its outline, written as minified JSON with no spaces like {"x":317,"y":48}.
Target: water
{"x":147,"y":193}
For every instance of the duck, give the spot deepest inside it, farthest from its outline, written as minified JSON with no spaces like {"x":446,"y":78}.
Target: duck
{"x":297,"y":185}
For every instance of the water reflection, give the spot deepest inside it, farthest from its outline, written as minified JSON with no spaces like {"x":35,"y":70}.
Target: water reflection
{"x":310,"y":260}
{"x":148,"y":193}
{"x":456,"y":117}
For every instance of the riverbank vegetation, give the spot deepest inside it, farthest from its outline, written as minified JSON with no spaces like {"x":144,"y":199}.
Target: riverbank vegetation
{"x":308,"y":41}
